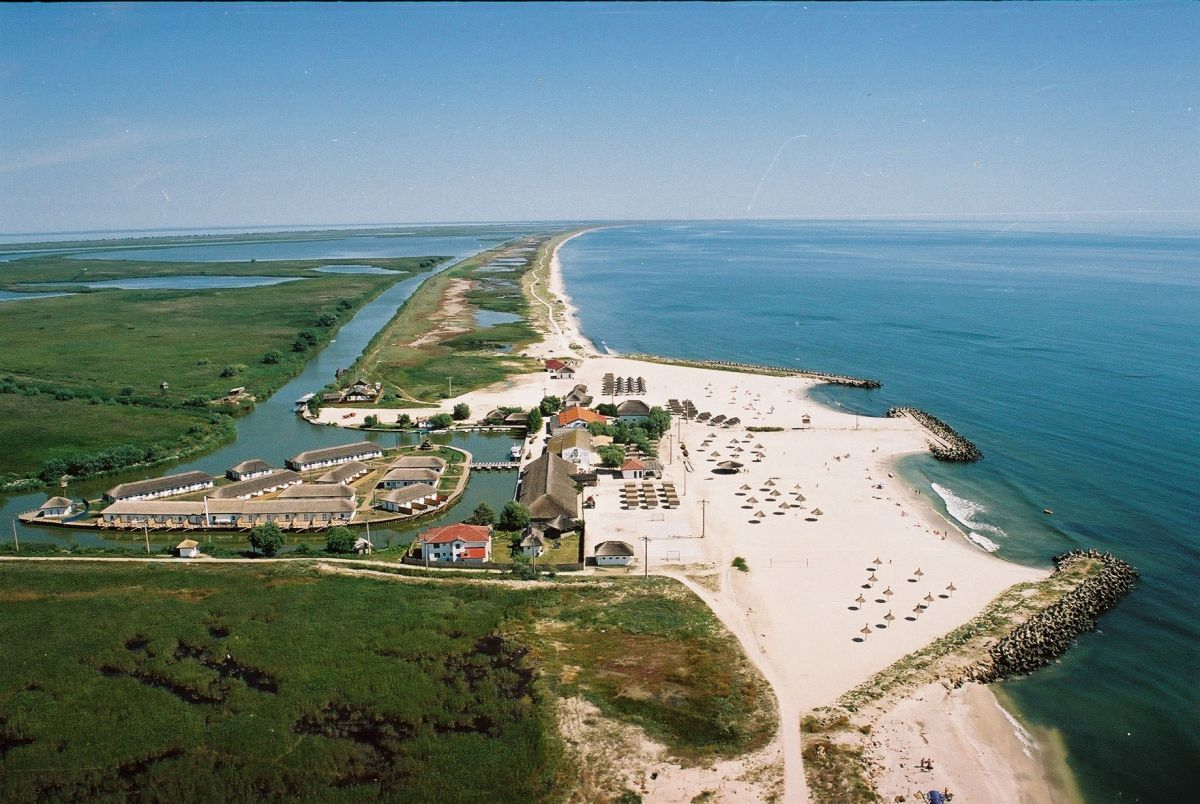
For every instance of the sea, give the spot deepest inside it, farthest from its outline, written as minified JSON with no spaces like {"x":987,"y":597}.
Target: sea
{"x":1068,"y":352}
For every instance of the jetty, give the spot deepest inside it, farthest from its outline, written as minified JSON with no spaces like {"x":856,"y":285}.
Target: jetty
{"x":756,"y":368}
{"x":945,"y":443}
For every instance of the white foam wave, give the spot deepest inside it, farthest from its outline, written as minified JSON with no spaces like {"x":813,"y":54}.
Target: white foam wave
{"x":983,"y":541}
{"x":966,"y":513}
{"x":1025,"y":738}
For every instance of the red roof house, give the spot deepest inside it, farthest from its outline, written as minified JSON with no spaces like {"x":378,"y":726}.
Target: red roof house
{"x":578,"y":417}
{"x":458,"y":542}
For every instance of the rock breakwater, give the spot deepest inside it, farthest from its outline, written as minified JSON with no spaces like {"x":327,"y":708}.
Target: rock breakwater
{"x":756,"y":368}
{"x":949,"y":445}
{"x":1046,"y":635}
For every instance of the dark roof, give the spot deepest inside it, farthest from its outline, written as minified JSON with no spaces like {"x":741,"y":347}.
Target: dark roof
{"x":159,"y":484}
{"x":614,"y":549}
{"x":547,"y":489}
{"x":407,"y":493}
{"x":55,"y":502}
{"x":252,"y":465}
{"x":314,"y":490}
{"x":346,"y":451}
{"x":345,"y":472}
{"x":633,"y":407}
{"x":255,"y":484}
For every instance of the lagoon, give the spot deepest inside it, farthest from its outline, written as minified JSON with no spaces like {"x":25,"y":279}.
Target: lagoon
{"x":208,"y":282}
{"x":6,"y":296}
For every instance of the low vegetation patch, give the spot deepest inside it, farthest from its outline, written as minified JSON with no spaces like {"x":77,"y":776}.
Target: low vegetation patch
{"x":270,"y":682}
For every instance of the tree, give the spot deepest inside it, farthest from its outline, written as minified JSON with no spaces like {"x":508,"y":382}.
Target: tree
{"x":549,"y":405}
{"x":606,"y":409}
{"x":461,"y":411}
{"x":523,"y":568}
{"x":514,"y":517}
{"x":482,"y":515}
{"x":266,"y":538}
{"x":612,"y":456}
{"x":657,"y":423}
{"x":404,"y":420}
{"x":326,"y":320}
{"x":340,"y":541}
{"x":534,"y":421}
{"x":441,"y":421}
{"x":371,"y":421}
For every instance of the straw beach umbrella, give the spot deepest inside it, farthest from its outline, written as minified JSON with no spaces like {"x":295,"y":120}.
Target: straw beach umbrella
{"x":872,"y":578}
{"x":951,"y":588}
{"x":818,"y":512}
{"x":877,"y":562}
{"x":760,"y":514}
{"x":860,"y":599}
{"x":918,"y":572}
{"x":928,"y":597}
{"x":745,"y":487}
{"x":866,"y":630}
{"x":888,"y":591}
{"x":751,"y":500}
{"x":917,"y":610}
{"x":889,"y":616}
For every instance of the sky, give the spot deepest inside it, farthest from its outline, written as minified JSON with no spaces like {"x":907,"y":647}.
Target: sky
{"x":138,"y":116}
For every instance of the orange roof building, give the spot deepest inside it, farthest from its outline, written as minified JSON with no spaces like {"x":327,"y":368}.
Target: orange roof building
{"x":578,"y":417}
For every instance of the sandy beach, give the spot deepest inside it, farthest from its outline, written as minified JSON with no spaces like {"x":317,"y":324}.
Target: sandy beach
{"x":840,"y":552}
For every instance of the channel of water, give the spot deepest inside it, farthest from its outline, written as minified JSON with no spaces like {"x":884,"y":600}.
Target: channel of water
{"x":273,"y":432}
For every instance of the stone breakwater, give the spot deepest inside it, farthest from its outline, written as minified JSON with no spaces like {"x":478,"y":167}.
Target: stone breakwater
{"x":952,"y":447}
{"x":729,"y":365}
{"x":1046,"y":635}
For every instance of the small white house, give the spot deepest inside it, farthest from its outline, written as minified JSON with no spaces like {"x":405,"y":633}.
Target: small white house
{"x":613,"y":554}
{"x":633,"y":411}
{"x":188,"y":548}
{"x":408,"y":499}
{"x":534,"y":543}
{"x":55,"y":507}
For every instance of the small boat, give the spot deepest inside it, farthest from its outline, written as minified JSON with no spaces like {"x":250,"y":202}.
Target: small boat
{"x":515,"y":453}
{"x":1047,"y":510}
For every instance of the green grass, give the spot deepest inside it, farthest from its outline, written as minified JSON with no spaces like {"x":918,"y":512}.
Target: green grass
{"x":37,"y":429}
{"x":474,"y":357}
{"x":119,"y":345}
{"x":269,"y":681}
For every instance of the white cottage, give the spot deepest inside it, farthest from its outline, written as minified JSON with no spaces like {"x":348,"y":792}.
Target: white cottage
{"x":613,"y":554}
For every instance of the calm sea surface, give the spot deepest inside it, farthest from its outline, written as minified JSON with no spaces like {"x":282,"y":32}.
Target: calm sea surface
{"x":1069,"y":357}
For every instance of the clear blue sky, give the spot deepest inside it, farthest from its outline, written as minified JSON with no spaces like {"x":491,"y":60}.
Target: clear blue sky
{"x":139,"y":116}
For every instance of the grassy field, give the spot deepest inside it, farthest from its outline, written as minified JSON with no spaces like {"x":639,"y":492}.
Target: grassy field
{"x":271,"y":681}
{"x":38,"y":429}
{"x":455,"y":346}
{"x":118,"y":345}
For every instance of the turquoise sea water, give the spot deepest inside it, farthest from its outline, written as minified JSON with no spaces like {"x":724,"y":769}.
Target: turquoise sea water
{"x":1069,"y":357}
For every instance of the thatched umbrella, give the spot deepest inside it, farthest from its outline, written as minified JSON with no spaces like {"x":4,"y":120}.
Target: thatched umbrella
{"x":818,"y":512}
{"x":928,"y":597}
{"x":917,"y":610}
{"x":796,"y":487}
{"x":784,"y":505}
{"x":951,"y":588}
{"x":918,"y":572}
{"x":758,"y":446}
{"x":769,"y":483}
{"x":889,"y":617}
{"x":745,"y":487}
{"x":751,"y":500}
{"x":860,"y":600}
{"x":729,"y":466}
{"x":760,"y":514}
{"x":873,"y":579}
{"x":888,"y":591}
{"x":775,"y":492}
{"x":714,"y":454}
{"x":801,"y":498}
{"x":877,"y":562}
{"x":866,"y":630}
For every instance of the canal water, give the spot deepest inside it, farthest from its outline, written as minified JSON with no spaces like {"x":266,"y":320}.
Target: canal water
{"x":273,"y":432}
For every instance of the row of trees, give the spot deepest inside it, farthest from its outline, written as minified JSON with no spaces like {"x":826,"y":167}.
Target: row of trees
{"x":644,"y":435}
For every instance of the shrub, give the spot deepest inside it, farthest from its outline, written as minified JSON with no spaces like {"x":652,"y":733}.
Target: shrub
{"x":441,"y":421}
{"x":549,"y":405}
{"x":343,"y":304}
{"x":326,"y":320}
{"x":266,"y":538}
{"x":371,"y":421}
{"x":230,"y":371}
{"x":126,"y":390}
{"x":63,"y":395}
{"x":612,"y":455}
{"x":740,"y":564}
{"x":404,"y":420}
{"x":534,"y":421}
{"x":482,"y":515}
{"x":514,"y":517}
{"x":272,"y":357}
{"x":461,"y":412}
{"x":339,"y":541}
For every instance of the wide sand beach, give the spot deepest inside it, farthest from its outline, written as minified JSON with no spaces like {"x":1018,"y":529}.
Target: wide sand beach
{"x":848,"y":569}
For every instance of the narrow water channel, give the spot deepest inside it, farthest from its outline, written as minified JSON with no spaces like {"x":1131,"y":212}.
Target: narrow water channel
{"x":273,"y":432}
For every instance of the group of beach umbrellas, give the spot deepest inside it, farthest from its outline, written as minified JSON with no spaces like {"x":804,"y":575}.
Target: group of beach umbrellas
{"x":887,"y":594}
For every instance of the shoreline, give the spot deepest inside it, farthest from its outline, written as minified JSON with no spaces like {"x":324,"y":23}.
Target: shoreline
{"x":982,"y":710}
